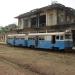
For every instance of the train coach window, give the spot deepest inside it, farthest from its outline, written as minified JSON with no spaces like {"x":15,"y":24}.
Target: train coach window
{"x":30,"y":38}
{"x":61,"y":37}
{"x":41,"y":38}
{"x":16,"y":38}
{"x":22,"y":38}
{"x":67,"y":36}
{"x":10,"y":38}
{"x":57,"y":37}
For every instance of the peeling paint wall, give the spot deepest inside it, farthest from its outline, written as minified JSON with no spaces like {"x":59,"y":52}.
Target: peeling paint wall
{"x":51,"y":17}
{"x":61,"y":17}
{"x":20,"y":23}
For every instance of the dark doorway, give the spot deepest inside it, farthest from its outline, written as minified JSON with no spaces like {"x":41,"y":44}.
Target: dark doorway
{"x":53,"y":39}
{"x":36,"y":40}
{"x":73,"y":37}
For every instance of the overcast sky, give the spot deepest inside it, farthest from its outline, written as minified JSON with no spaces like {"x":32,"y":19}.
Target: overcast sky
{"x":12,"y":8}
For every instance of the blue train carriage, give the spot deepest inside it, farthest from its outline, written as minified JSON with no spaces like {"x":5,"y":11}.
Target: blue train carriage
{"x":20,"y":40}
{"x":17,"y":39}
{"x":37,"y":40}
{"x":68,"y":40}
{"x":62,"y":40}
{"x":54,"y":40}
{"x":31,"y":40}
{"x":10,"y":40}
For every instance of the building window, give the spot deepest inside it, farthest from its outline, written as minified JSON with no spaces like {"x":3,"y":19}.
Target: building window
{"x":33,"y":22}
{"x":42,"y":20}
{"x":25,"y":22}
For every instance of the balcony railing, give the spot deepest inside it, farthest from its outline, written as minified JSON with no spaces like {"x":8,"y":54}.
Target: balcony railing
{"x":38,"y":26}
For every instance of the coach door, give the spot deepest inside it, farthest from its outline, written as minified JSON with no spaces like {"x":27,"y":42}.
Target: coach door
{"x":53,"y":39}
{"x":36,"y":41}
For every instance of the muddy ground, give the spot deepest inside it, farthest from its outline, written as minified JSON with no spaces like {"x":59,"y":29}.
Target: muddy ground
{"x":25,"y":61}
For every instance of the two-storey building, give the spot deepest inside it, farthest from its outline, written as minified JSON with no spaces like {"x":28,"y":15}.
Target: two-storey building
{"x":55,"y":17}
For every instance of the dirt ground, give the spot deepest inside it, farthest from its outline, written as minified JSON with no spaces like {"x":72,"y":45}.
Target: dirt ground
{"x":25,"y":61}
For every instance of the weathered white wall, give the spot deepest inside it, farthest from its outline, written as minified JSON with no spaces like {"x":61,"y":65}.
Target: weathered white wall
{"x":20,"y":23}
{"x":61,"y":16}
{"x":28,"y":22}
{"x":51,"y":17}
